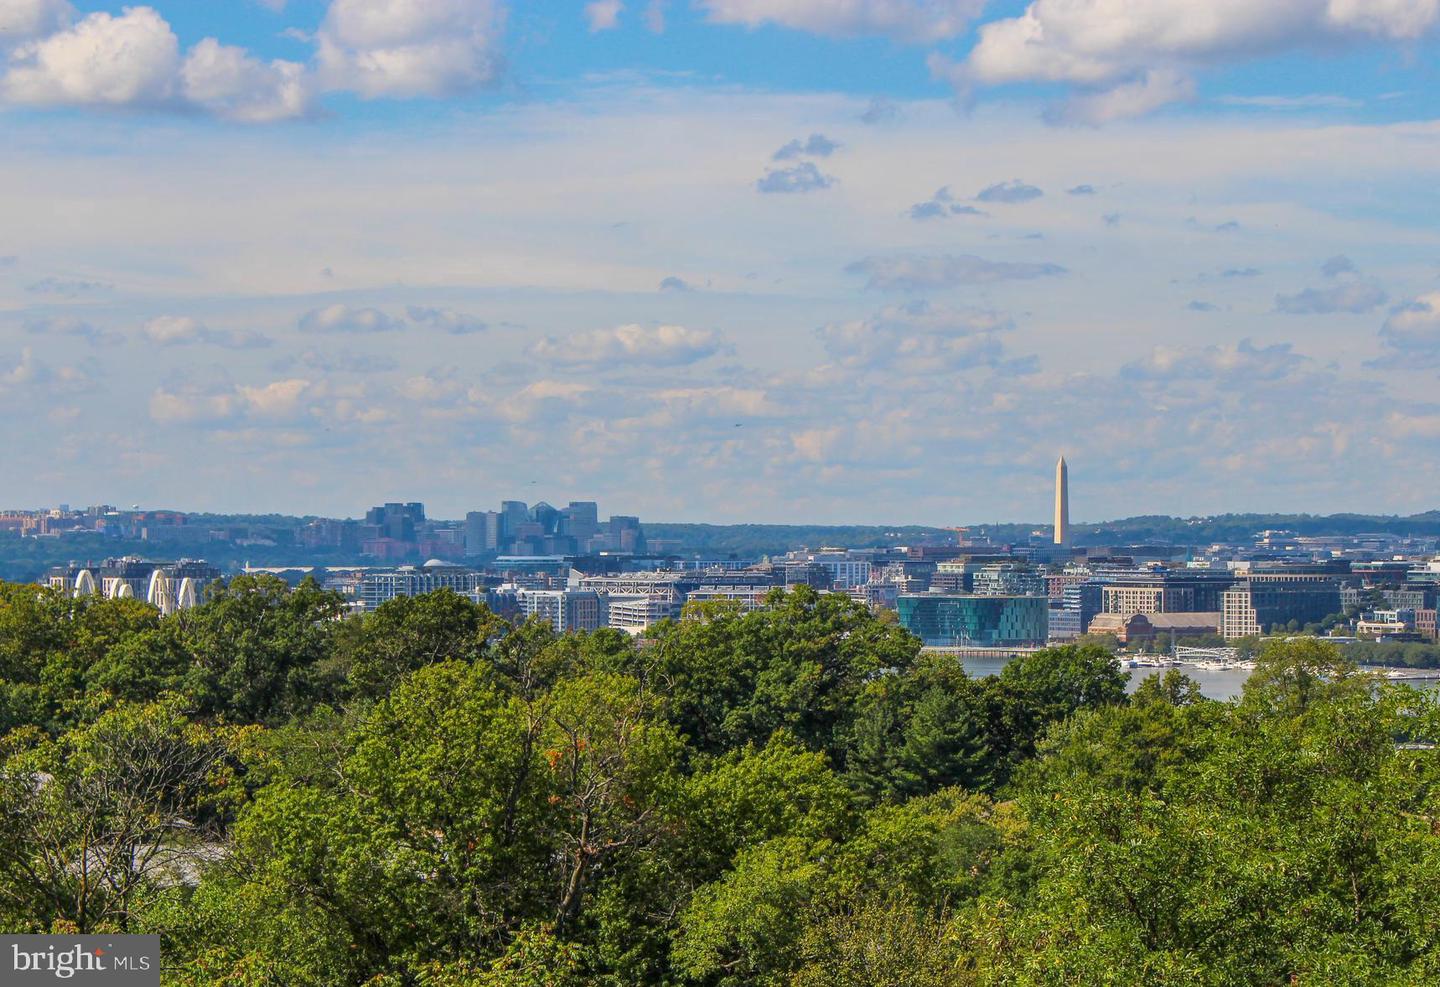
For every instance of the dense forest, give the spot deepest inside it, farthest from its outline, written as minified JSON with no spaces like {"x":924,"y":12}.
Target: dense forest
{"x":431,"y":796}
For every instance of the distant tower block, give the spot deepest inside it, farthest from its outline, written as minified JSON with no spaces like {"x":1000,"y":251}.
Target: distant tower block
{"x":1062,"y":503}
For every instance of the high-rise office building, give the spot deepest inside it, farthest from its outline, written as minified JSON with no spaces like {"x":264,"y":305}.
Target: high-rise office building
{"x":1062,"y":503}
{"x":482,"y":532}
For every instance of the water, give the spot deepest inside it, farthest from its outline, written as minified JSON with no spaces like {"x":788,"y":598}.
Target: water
{"x":1222,"y":684}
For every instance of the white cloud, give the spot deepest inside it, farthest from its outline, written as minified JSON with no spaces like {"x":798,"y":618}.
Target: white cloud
{"x":179,"y":330}
{"x":1138,"y":52}
{"x":339,"y":318}
{"x":918,"y":337}
{"x":1411,"y":334}
{"x":603,"y":15}
{"x":408,"y":48}
{"x":1137,"y":97}
{"x":920,"y":21}
{"x":188,"y":403}
{"x":102,"y":60}
{"x":29,"y":374}
{"x":21,"y":20}
{"x":232,"y":85}
{"x":133,"y":60}
{"x":630,"y":345}
{"x":1237,"y":363}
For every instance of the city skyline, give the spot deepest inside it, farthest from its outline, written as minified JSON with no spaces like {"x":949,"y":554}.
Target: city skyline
{"x":721,"y":261}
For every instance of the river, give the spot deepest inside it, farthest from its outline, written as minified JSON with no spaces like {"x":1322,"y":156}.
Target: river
{"x":1214,"y":683}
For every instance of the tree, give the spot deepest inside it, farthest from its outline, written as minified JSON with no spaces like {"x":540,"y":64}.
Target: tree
{"x":798,"y":664}
{"x":259,"y":649}
{"x":1042,"y":688}
{"x":91,"y":819}
{"x":410,"y":632}
{"x":920,"y":731}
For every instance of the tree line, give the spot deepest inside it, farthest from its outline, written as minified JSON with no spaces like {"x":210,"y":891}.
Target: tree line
{"x":430,"y":795}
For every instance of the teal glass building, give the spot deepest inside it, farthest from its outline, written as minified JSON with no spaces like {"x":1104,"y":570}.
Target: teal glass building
{"x":955,"y":620}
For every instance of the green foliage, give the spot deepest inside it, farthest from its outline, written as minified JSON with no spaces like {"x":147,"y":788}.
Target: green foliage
{"x":92,"y":821}
{"x":800,"y":664}
{"x":429,"y":796}
{"x":410,"y":632}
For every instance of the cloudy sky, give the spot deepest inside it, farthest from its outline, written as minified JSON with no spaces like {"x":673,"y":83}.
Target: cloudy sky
{"x":722,"y":260}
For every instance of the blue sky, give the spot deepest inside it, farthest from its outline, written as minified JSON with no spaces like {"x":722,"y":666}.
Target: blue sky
{"x":769,"y":260}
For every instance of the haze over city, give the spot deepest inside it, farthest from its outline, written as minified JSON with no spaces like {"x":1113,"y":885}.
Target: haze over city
{"x":720,"y":261}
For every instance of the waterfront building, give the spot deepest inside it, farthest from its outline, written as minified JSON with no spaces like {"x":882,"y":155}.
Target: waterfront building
{"x":1255,"y":606}
{"x":1165,"y":591}
{"x":963,"y":620}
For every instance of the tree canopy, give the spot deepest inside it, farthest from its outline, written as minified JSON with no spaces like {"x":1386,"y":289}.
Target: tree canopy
{"x":431,"y":796}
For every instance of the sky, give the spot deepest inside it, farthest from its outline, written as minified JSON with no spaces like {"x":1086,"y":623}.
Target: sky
{"x":793,"y":261}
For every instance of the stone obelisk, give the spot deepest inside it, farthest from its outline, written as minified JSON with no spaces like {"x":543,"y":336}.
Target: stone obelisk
{"x":1062,"y":503}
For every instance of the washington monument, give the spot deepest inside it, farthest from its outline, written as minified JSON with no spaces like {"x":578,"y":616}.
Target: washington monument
{"x":1062,"y":503}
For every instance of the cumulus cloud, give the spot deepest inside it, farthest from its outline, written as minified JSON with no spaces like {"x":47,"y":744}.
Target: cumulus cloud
{"x":380,"y":48}
{"x":197,"y":403}
{"x":674,"y":284}
{"x":1411,"y":334}
{"x":340,"y":318}
{"x":29,"y":375}
{"x":73,"y":328}
{"x":1238,"y":363}
{"x":231,"y":84}
{"x":126,"y":60}
{"x":1134,"y":55}
{"x":180,"y":330}
{"x":918,"y":21}
{"x":942,"y":204}
{"x":1349,"y":292}
{"x":1011,"y":191}
{"x":21,"y":20}
{"x":630,"y":345}
{"x":918,"y":337}
{"x":446,"y":320}
{"x":134,"y":60}
{"x":803,"y":177}
{"x":913,"y":272}
{"x":603,"y":15}
{"x":814,"y":146}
